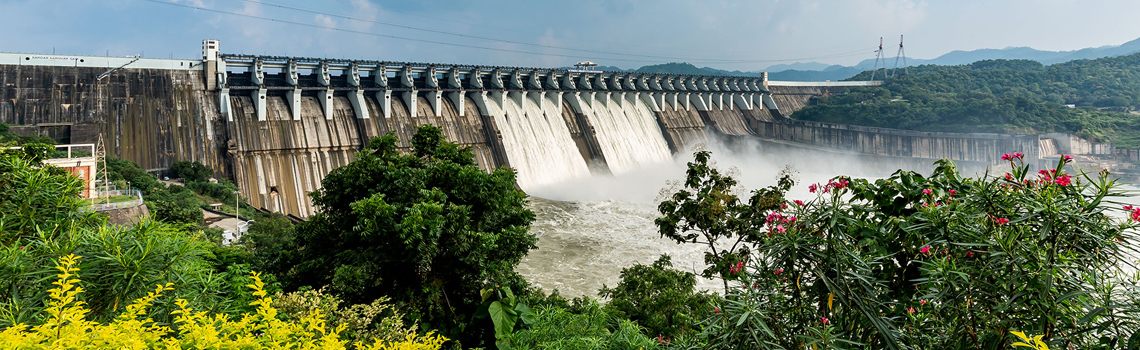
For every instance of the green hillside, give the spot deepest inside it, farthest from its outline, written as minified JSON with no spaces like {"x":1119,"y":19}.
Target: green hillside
{"x":1018,"y":96}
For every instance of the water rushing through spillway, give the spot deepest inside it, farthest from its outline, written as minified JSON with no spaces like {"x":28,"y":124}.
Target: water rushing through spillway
{"x":537,"y":142}
{"x":628,"y":134}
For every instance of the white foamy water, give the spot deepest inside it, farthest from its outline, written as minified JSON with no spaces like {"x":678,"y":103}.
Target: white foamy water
{"x":538,"y":143}
{"x":628,"y":134}
{"x":590,"y":228}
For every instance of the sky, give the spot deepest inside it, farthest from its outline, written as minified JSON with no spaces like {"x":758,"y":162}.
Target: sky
{"x":743,"y":35}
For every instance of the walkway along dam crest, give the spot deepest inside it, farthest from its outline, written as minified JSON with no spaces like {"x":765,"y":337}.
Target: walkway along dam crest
{"x":277,"y":125}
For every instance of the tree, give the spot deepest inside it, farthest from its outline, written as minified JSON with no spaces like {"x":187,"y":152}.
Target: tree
{"x":428,"y":230}
{"x":191,"y":171}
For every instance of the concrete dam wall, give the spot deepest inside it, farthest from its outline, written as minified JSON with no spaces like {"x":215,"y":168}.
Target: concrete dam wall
{"x":278,"y":125}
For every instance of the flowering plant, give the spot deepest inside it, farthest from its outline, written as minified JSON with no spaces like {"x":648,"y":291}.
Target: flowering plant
{"x":932,"y":262}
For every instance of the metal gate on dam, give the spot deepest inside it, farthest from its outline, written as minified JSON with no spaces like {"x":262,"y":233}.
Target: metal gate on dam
{"x":278,"y":125}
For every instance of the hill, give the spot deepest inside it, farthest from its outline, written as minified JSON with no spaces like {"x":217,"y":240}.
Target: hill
{"x":1020,"y":96}
{"x":811,"y":71}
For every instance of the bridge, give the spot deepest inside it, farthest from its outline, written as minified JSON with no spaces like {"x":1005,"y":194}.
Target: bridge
{"x":277,"y":125}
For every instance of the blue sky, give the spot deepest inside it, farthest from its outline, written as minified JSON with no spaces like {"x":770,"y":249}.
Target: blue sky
{"x":744,"y":35}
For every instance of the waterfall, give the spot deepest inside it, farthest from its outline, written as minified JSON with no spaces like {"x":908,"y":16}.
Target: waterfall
{"x":628,"y":134}
{"x":538,"y":144}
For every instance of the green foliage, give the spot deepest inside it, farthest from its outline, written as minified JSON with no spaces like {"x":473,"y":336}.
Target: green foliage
{"x":223,"y":190}
{"x":66,"y":324}
{"x":708,"y":209}
{"x":659,"y":298}
{"x":175,"y":204}
{"x":122,"y":264}
{"x":364,"y":323}
{"x":505,"y":312}
{"x":191,"y":171}
{"x":128,"y":171}
{"x":939,"y":262}
{"x":557,"y":328}
{"x":38,"y":200}
{"x":1017,"y":96}
{"x":428,"y":230}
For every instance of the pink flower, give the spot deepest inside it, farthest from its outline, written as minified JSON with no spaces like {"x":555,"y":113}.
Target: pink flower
{"x":799,"y":202}
{"x":969,"y":254}
{"x":1007,"y":156}
{"x":1063,"y":180}
{"x":953,"y":192}
{"x":813,"y":187}
{"x":780,"y":229}
{"x":777,"y":272}
{"x":923,"y":301}
{"x":1067,"y":158}
{"x":1001,"y":221}
{"x":925,"y":250}
{"x":736,"y":268}
{"x":1018,"y":155}
{"x":911,"y":310}
{"x":927,"y":192}
{"x":783,"y":206}
{"x":824,"y":320}
{"x":1008,"y":177}
{"x":716,"y":310}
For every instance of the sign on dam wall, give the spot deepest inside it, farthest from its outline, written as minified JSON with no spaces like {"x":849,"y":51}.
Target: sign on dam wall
{"x":278,"y":125}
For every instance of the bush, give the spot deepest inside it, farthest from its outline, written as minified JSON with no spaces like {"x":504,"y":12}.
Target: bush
{"x":191,"y":171}
{"x":939,"y":262}
{"x":364,"y":323}
{"x":659,"y":298}
{"x":175,"y":204}
{"x":135,"y":177}
{"x":557,"y":328}
{"x":38,"y":200}
{"x":123,"y":262}
{"x":429,"y":230}
{"x":65,"y":325}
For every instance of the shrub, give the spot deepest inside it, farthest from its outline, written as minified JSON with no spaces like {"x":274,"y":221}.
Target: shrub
{"x":66,"y":325}
{"x":659,"y":298}
{"x":557,"y":328}
{"x":191,"y":171}
{"x":364,"y":323}
{"x":38,"y":200}
{"x":939,"y":262}
{"x":175,"y":204}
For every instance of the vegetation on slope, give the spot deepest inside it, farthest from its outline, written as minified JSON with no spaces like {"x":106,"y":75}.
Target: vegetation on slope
{"x":410,"y":246}
{"x":1017,"y":96}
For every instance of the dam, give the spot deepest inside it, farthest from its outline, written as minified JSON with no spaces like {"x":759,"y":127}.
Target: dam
{"x":277,"y":125}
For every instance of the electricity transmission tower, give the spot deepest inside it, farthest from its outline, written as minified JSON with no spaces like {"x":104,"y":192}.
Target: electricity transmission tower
{"x":101,"y":159}
{"x":879,"y":57}
{"x":900,"y":54}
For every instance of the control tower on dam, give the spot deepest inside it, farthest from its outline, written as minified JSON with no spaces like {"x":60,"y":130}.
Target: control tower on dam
{"x":278,"y":125}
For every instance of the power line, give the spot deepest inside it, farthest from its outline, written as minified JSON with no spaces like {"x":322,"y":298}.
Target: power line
{"x":592,"y":41}
{"x":259,"y":2}
{"x":487,"y":48}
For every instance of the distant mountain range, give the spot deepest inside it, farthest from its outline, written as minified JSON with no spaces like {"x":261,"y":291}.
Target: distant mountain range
{"x":815,"y":71}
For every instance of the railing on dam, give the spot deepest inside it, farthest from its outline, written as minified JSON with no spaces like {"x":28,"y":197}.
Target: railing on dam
{"x":293,"y":77}
{"x":824,"y":83}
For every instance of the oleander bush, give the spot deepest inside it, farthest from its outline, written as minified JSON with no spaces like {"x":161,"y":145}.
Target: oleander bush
{"x":66,"y":325}
{"x":917,"y":262}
